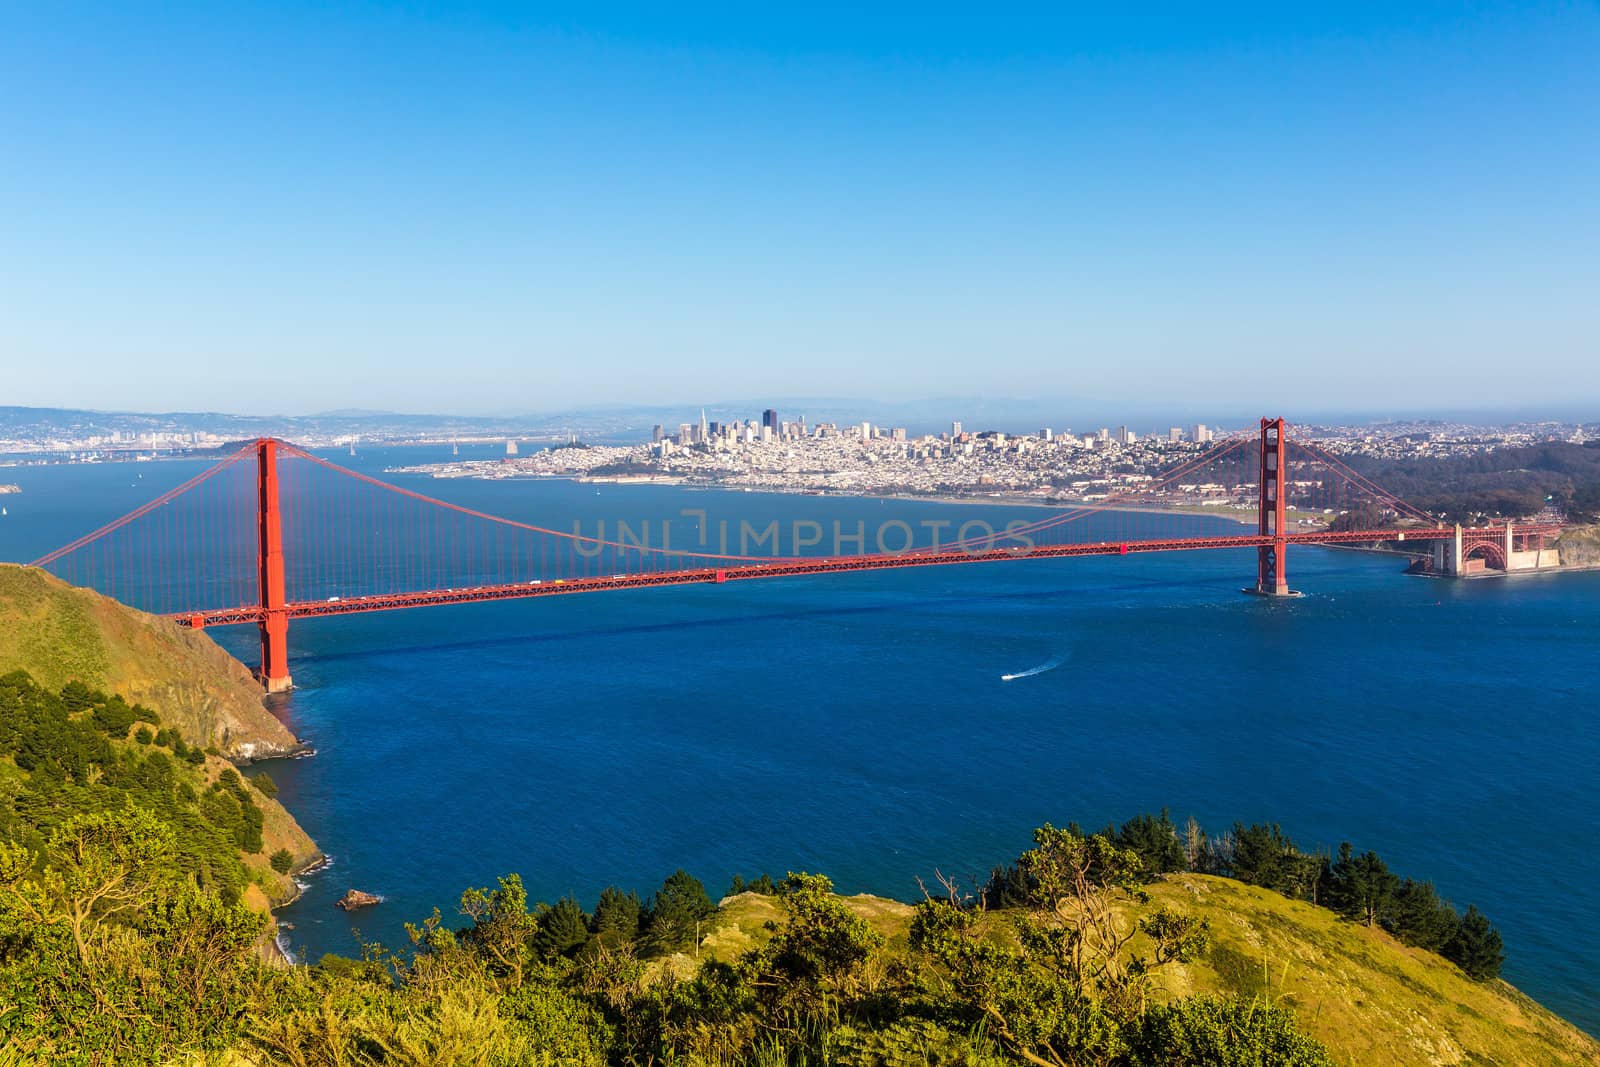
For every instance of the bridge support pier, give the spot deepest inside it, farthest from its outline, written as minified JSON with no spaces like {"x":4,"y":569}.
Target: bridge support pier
{"x":275,"y":653}
{"x":274,"y":603}
{"x":1272,"y":561}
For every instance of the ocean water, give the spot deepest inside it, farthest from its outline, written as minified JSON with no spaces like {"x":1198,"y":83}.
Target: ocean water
{"x":862,"y":726}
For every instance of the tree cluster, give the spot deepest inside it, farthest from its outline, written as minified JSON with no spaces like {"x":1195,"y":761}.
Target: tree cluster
{"x":1500,"y":483}
{"x":1358,"y":886}
{"x":76,"y":756}
{"x":1073,"y":983}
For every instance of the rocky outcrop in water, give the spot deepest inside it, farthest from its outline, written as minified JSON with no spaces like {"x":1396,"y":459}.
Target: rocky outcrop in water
{"x":355,"y":898}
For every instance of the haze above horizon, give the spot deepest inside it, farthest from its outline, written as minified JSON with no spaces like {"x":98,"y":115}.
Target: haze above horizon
{"x":297,"y":208}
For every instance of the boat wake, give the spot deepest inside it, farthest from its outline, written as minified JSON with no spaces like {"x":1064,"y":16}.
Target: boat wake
{"x":1040,"y":669}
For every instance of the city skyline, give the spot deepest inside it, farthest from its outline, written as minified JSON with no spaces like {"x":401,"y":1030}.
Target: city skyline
{"x":298,"y":209}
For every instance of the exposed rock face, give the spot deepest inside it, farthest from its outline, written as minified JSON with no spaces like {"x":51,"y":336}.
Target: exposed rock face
{"x":1580,"y":546}
{"x":355,"y":898}
{"x":59,"y":633}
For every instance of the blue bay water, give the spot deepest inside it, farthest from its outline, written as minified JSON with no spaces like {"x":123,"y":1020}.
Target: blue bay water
{"x":859,"y":724}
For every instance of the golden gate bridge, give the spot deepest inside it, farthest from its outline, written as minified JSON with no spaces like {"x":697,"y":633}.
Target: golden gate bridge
{"x":272,"y":533}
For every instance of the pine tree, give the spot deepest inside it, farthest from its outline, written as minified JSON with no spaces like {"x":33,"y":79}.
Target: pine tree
{"x":1155,"y":840}
{"x":563,"y":929}
{"x":1419,"y":917}
{"x":1361,"y":887}
{"x":676,"y":911}
{"x":1264,"y":855}
{"x":1476,"y":948}
{"x":616,"y":916}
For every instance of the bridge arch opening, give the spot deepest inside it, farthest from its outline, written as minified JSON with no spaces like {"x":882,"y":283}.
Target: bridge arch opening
{"x":1483,"y":556}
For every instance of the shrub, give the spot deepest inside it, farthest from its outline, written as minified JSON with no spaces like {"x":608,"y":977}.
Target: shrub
{"x":1244,"y":1032}
{"x":114,"y":717}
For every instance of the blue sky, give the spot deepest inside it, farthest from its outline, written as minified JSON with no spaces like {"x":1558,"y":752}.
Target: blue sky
{"x":292,"y":208}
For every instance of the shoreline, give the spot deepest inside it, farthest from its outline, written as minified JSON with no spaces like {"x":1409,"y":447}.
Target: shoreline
{"x":985,"y":500}
{"x":278,"y":941}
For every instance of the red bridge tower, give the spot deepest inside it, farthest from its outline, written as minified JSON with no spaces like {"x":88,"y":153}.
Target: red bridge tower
{"x":1272,"y":571}
{"x":274,"y":604}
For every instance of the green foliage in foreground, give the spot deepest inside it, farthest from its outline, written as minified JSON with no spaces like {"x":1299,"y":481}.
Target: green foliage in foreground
{"x":109,"y":955}
{"x":71,"y":756}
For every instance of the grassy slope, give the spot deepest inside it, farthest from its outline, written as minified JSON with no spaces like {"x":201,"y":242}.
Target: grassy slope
{"x":59,"y":633}
{"x":1370,"y":999}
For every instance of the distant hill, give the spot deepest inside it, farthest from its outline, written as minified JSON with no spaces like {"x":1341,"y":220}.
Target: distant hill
{"x":1370,"y":999}
{"x":1503,"y":481}
{"x":59,"y":633}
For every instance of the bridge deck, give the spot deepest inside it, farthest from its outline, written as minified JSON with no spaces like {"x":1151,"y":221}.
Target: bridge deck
{"x":792,"y":567}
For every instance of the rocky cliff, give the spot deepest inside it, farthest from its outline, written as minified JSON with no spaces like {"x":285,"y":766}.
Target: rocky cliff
{"x":1580,"y":546}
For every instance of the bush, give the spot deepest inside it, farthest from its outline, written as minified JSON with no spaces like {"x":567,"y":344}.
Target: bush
{"x":77,"y":696}
{"x":264,"y":784}
{"x":763,"y":885}
{"x":114,"y":717}
{"x":1245,"y":1032}
{"x":282,"y":860}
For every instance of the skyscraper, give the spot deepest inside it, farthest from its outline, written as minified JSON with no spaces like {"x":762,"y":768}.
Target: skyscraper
{"x":769,"y":419}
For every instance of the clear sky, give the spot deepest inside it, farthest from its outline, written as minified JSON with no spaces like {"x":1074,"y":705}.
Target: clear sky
{"x":300,"y":207}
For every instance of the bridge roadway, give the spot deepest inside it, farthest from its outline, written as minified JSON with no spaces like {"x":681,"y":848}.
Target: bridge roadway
{"x":791,"y":567}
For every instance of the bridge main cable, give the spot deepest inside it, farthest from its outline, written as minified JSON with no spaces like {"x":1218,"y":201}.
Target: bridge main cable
{"x":170,"y":495}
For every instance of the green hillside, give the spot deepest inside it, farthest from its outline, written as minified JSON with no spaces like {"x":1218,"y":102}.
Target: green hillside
{"x":59,"y":633}
{"x":1370,"y":999}
{"x":79,"y":754}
